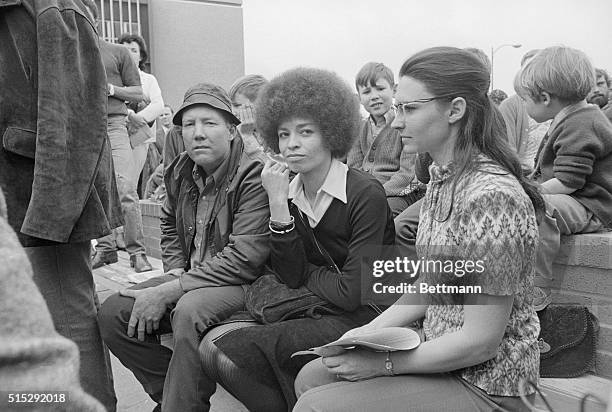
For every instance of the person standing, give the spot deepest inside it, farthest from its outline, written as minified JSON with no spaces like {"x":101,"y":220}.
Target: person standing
{"x":141,"y":118}
{"x":56,"y":166}
{"x":123,"y":85}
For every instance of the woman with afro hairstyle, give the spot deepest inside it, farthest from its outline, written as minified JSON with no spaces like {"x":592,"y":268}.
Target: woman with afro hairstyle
{"x":310,"y":118}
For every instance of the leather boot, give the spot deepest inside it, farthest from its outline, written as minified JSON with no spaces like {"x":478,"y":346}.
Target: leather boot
{"x":140,"y":263}
{"x":103,"y":258}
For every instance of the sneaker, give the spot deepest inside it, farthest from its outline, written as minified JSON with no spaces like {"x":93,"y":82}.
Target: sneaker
{"x":541,"y":298}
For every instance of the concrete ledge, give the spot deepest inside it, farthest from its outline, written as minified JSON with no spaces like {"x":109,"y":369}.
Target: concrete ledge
{"x":591,"y":250}
{"x":566,"y":394}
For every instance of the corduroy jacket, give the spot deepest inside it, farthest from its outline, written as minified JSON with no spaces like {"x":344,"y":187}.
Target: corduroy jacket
{"x":238,"y":233}
{"x":55,"y":162}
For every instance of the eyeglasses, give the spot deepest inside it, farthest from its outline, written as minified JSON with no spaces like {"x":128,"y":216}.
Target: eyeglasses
{"x":403,"y":108}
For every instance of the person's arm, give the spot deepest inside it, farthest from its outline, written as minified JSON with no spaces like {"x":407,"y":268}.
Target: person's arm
{"x":485,"y":321}
{"x":156,"y":107}
{"x":131,"y":89}
{"x":173,"y":257}
{"x":577,"y":146}
{"x":128,"y":93}
{"x":243,"y":257}
{"x":403,"y":177}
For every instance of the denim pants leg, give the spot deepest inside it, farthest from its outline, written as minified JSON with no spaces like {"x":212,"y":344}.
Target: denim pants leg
{"x":63,"y":276}
{"x":564,"y":216}
{"x":174,"y":376}
{"x":140,"y":158}
{"x":123,"y":161}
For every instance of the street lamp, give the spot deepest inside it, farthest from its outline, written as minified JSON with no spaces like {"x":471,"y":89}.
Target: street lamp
{"x":495,"y":50}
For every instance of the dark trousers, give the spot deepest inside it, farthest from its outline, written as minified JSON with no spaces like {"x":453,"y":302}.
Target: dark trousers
{"x":399,"y":204}
{"x":406,"y":225}
{"x":176,"y":377}
{"x":63,"y":276}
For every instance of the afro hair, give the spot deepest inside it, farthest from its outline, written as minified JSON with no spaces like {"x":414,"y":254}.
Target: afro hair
{"x":315,"y":94}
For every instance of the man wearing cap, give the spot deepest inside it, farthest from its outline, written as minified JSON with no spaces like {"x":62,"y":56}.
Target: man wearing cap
{"x":214,"y":242}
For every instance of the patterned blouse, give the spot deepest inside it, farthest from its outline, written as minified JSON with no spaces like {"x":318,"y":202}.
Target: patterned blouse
{"x":490,"y":218}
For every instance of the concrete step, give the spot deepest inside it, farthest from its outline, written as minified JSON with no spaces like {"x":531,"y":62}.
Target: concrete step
{"x":565,"y":395}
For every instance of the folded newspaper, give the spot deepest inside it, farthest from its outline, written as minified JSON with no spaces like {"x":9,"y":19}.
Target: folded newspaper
{"x":383,"y":339}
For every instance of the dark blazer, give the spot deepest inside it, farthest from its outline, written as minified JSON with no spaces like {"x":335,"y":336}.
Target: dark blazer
{"x":55,"y":161}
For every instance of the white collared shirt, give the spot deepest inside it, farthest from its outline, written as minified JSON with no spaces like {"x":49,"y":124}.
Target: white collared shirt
{"x":334,"y":186}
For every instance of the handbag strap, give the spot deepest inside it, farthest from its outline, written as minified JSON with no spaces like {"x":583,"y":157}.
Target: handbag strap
{"x":313,"y":238}
{"x":326,"y":254}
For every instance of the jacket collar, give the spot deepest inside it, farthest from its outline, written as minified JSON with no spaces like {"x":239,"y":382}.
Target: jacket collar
{"x":184,"y":165}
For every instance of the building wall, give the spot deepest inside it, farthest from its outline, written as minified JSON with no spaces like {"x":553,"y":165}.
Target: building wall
{"x":195,"y":41}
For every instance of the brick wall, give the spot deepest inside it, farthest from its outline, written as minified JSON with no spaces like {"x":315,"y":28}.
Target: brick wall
{"x":151,"y":212}
{"x":583,"y":275}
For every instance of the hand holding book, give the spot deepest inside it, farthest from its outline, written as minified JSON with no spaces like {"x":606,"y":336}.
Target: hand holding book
{"x":381,"y":340}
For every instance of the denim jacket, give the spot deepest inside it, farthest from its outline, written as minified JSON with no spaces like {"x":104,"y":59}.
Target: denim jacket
{"x":237,"y":230}
{"x":55,"y":162}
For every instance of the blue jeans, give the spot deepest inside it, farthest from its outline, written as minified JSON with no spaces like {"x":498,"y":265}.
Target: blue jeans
{"x":564,"y":216}
{"x":124,"y":164}
{"x":63,"y":276}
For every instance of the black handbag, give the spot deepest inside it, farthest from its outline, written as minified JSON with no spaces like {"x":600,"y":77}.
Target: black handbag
{"x":269,"y":300}
{"x":567,"y":341}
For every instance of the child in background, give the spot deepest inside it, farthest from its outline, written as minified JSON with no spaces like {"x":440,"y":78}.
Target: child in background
{"x":574,"y":161}
{"x":243,"y":94}
{"x":378,"y":149}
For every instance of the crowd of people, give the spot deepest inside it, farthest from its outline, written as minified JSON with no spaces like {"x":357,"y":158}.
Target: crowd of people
{"x":286,"y":178}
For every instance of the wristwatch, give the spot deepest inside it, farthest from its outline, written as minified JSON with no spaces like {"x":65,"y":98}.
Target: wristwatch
{"x":389,"y":364}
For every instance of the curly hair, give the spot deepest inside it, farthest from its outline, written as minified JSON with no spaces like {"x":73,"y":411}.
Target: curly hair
{"x":316,"y":94}
{"x":498,"y":96}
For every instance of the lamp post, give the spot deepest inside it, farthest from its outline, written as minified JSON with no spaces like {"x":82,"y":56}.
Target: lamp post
{"x":495,"y":50}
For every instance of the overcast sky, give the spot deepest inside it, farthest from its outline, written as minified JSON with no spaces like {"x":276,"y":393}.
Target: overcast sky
{"x":342,"y":35}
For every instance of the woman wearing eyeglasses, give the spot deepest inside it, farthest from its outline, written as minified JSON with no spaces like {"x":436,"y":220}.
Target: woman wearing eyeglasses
{"x":478,"y":208}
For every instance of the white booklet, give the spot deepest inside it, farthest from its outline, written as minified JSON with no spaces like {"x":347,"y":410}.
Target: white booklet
{"x":383,"y":339}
